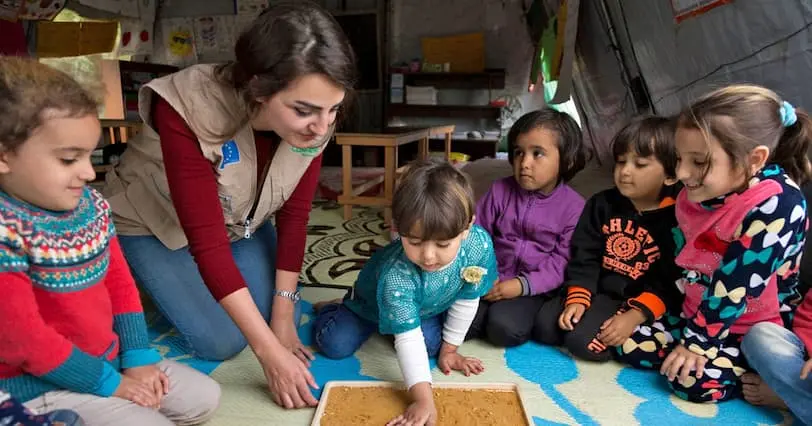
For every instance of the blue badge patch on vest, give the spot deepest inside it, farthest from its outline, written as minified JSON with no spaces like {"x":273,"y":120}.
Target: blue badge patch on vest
{"x":231,"y":155}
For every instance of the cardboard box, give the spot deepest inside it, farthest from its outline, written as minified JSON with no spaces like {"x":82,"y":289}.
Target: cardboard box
{"x":63,"y":39}
{"x":465,"y":52}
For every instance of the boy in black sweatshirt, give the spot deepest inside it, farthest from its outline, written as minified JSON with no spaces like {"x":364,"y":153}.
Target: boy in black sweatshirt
{"x":621,"y":273}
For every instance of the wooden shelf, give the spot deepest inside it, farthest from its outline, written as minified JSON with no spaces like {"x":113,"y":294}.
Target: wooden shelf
{"x":444,"y":111}
{"x":102,"y":168}
{"x":489,"y":79}
{"x":471,"y":140}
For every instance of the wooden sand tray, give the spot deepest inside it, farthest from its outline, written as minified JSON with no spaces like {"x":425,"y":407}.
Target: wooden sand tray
{"x":362,"y":403}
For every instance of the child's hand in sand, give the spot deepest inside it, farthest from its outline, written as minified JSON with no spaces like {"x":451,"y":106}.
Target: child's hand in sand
{"x":452,"y":360}
{"x":420,"y":412}
{"x":571,"y":315}
{"x":807,"y":368}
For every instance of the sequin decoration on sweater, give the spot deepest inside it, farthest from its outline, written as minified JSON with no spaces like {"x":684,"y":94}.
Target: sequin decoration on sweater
{"x":395,"y":293}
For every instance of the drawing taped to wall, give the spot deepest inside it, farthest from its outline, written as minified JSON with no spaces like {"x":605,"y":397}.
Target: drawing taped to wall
{"x":41,"y":10}
{"x":10,"y":9}
{"x":136,"y":37}
{"x":247,"y":11}
{"x":214,"y":38}
{"x":174,"y":43}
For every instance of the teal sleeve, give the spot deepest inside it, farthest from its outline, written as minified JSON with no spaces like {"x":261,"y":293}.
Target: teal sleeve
{"x":131,"y":329}
{"x":139,"y":358}
{"x":82,"y":373}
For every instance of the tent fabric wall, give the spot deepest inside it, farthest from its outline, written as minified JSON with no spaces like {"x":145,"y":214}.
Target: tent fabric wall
{"x":765,"y":42}
{"x":758,"y":41}
{"x":599,"y":87}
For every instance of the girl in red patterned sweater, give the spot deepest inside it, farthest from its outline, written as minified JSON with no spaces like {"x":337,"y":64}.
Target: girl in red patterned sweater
{"x":72,"y":330}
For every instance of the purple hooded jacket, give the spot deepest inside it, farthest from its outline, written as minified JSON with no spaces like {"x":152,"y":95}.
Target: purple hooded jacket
{"x":531,"y":232}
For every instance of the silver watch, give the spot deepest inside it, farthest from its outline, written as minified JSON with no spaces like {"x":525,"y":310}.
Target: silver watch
{"x":294,"y":296}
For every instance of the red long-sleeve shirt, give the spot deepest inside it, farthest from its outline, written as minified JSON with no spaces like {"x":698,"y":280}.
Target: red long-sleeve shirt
{"x":193,"y":187}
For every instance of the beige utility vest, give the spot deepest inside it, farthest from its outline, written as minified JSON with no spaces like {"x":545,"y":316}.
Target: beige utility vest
{"x":137,"y":188}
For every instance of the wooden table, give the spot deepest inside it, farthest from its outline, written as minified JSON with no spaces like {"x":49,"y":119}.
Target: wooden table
{"x":389,"y":140}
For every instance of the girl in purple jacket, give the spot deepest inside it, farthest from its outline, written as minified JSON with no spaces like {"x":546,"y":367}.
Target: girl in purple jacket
{"x":531,"y":217}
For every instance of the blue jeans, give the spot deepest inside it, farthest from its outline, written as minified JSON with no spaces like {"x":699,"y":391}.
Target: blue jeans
{"x":173,"y":282}
{"x":338,"y":332}
{"x":777,"y":354}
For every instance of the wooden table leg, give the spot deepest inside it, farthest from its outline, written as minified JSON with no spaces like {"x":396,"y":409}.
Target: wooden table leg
{"x":390,"y":163}
{"x":423,"y":148}
{"x":346,"y":176}
{"x":448,"y":146}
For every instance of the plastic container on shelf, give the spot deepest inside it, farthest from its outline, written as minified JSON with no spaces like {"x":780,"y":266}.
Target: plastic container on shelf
{"x":456,"y":158}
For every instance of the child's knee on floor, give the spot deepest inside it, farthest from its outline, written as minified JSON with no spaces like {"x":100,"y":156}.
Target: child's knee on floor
{"x":545,"y":325}
{"x":583,"y":344}
{"x":338,"y":332}
{"x":432,"y":329}
{"x":706,"y":389}
{"x":770,"y":349}
{"x":510,"y":322}
{"x":200,"y":394}
{"x":505,"y":333}
{"x":767,"y":339}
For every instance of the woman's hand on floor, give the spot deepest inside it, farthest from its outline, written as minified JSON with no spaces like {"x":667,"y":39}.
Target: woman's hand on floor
{"x":289,"y":380}
{"x":681,"y":362}
{"x":285,"y":331}
{"x":571,"y":315}
{"x":508,"y":289}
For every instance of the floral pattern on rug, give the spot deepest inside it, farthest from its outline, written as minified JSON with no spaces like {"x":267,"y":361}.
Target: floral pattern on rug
{"x":337,"y":250}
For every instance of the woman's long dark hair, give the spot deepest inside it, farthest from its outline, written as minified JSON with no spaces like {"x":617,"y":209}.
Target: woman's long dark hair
{"x":286,"y":41}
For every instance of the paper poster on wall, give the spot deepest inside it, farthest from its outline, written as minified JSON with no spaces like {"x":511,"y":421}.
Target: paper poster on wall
{"x":10,"y":9}
{"x":136,"y":37}
{"x":129,"y":8}
{"x":251,"y":7}
{"x":247,"y":11}
{"x":214,"y":38}
{"x":44,"y":10}
{"x":174,"y":42}
{"x":685,"y":9}
{"x":147,"y":10}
